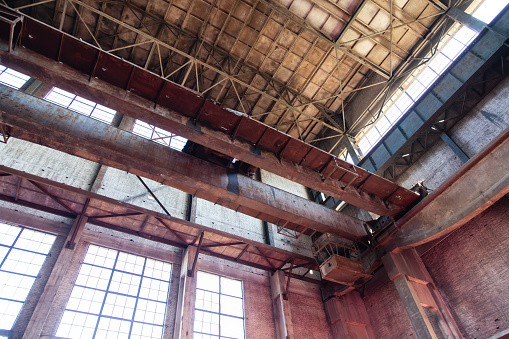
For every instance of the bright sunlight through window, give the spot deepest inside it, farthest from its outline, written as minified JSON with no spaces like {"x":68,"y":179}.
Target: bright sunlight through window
{"x":11,"y":78}
{"x":80,"y":105}
{"x":219,"y":308}
{"x":159,"y":135}
{"x":421,"y":81}
{"x":117,"y":295}
{"x":22,"y":254}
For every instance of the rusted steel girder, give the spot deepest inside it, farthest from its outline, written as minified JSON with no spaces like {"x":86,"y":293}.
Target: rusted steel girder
{"x":41,"y":122}
{"x":367,"y":191}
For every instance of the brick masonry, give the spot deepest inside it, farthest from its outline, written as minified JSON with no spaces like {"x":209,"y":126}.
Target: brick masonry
{"x":471,"y":270}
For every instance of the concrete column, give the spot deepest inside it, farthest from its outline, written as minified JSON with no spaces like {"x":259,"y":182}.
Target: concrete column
{"x":348,"y":317}
{"x":47,"y":298}
{"x":428,"y":312}
{"x":184,"y":316}
{"x":280,"y":306}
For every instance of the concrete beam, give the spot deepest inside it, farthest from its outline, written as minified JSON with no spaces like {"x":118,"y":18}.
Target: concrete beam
{"x":71,"y":80}
{"x":481,"y":182}
{"x":44,"y":123}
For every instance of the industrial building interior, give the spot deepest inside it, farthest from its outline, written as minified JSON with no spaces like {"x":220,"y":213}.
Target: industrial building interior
{"x":254,"y":169}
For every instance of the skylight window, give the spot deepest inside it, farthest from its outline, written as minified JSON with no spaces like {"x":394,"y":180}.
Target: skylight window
{"x":80,"y":105}
{"x":422,"y":79}
{"x":117,"y":295}
{"x":158,"y":135}
{"x":22,"y":254}
{"x":219,"y":308}
{"x":12,"y":78}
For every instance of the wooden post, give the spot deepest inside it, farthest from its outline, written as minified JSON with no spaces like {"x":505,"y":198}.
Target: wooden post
{"x":280,"y":306}
{"x":43,"y":307}
{"x":426,"y":309}
{"x":348,"y":317}
{"x":186,"y":298}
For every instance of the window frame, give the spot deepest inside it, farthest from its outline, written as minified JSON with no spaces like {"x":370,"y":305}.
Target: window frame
{"x":219,"y":313}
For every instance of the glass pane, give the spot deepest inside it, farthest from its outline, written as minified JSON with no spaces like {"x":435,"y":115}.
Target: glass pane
{"x":232,"y":306}
{"x":8,"y":234}
{"x":231,"y":287}
{"x":125,"y":283}
{"x":146,"y":331}
{"x":94,"y":277}
{"x":232,"y":327}
{"x":112,"y":328}
{"x":157,"y":269}
{"x":130,"y":263}
{"x":148,"y":311}
{"x":85,"y":300}
{"x":100,"y":256}
{"x":23,"y":262}
{"x":440,"y":63}
{"x":15,"y":286}
{"x":427,"y":77}
{"x":119,"y":306}
{"x":207,"y":301}
{"x":76,"y":325}
{"x":207,"y":281}
{"x":154,"y":289}
{"x":206,"y":322}
{"x":9,"y":311}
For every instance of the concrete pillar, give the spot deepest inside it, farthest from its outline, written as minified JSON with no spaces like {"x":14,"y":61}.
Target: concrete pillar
{"x":184,"y":316}
{"x":429,"y":315}
{"x":280,"y":306}
{"x":348,"y":318}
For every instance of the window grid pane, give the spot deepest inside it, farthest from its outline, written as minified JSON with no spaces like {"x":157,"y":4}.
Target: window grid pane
{"x":158,"y":135}
{"x":22,"y":254}
{"x":107,"y":299}
{"x":80,"y":105}
{"x":11,"y":78}
{"x":219,"y":308}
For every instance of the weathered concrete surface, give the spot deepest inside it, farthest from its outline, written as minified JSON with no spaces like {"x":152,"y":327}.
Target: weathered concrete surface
{"x":472,"y":133}
{"x":480,"y":183}
{"x":124,"y":186}
{"x":470,"y":267}
{"x":386,"y":311}
{"x":47,"y":163}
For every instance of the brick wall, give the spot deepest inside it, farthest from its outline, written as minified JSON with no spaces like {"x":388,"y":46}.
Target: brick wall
{"x":471,"y":270}
{"x":387,"y":314}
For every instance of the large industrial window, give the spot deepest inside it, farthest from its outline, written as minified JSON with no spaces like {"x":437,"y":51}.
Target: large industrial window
{"x":454,"y":43}
{"x":158,"y":135}
{"x":12,"y":78}
{"x":80,"y":105}
{"x":219,"y":308}
{"x":22,"y":254}
{"x":117,"y":295}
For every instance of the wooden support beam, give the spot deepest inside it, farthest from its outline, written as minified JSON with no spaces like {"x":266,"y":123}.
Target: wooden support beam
{"x":191,"y":272}
{"x":186,"y":298}
{"x":428,"y":313}
{"x":41,"y":312}
{"x":280,"y":306}
{"x":347,"y":317}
